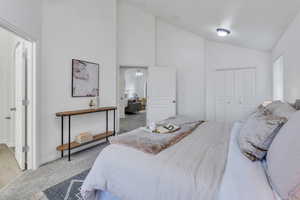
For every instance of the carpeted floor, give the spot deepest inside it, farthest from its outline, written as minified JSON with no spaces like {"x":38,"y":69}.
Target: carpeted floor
{"x":132,"y":121}
{"x":30,"y":184}
{"x":9,"y":168}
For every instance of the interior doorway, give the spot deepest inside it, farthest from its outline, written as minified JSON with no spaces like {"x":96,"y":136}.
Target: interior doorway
{"x":132,"y":97}
{"x":16,"y":89}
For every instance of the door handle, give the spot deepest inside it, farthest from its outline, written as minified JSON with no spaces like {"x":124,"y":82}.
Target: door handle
{"x":13,"y":109}
{"x":7,"y":118}
{"x":173,"y":101}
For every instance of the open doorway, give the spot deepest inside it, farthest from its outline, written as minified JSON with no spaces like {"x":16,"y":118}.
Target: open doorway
{"x":133,"y":97}
{"x":16,"y":89}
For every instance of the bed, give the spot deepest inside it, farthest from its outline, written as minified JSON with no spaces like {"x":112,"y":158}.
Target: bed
{"x":206,"y":165}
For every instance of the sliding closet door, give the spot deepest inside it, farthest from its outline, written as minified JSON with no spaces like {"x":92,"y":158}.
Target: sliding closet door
{"x":245,"y":89}
{"x":224,"y":95}
{"x":235,"y":93}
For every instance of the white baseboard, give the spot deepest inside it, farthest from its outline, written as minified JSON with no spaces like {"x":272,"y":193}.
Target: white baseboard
{"x":56,"y":155}
{"x":3,"y":141}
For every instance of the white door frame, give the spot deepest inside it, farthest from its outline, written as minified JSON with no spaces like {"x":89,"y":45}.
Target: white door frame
{"x":32,"y":159}
{"x":118,"y":89}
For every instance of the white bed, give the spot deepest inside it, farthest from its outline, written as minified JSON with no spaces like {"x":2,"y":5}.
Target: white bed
{"x":132,"y":175}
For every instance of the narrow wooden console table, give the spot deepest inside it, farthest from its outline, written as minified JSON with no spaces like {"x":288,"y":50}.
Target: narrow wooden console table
{"x":72,"y":145}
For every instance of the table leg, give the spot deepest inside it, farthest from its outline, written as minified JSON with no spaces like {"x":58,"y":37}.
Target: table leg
{"x":106,"y":126}
{"x":114,"y":122}
{"x":62,"y":135}
{"x":69,"y":156}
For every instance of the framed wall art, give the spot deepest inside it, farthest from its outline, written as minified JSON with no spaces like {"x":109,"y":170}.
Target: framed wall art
{"x":85,"y":79}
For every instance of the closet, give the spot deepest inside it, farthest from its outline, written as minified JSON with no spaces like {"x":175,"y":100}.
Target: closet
{"x":235,"y":93}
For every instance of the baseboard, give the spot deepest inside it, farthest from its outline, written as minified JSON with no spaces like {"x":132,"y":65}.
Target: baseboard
{"x":56,"y":155}
{"x":3,"y":141}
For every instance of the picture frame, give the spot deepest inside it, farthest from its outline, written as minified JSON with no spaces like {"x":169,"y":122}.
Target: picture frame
{"x":85,"y":78}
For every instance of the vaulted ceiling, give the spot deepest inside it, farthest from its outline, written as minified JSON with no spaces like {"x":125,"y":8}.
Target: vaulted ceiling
{"x":254,"y":24}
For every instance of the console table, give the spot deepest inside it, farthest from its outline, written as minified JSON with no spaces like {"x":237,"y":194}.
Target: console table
{"x":72,"y":145}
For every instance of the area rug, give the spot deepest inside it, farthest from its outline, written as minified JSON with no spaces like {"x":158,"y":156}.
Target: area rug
{"x":68,"y":189}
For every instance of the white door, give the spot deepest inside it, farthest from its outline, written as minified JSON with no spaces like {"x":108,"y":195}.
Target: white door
{"x":245,"y":92}
{"x":224,"y":84}
{"x":235,"y":93}
{"x":161,"y":93}
{"x":19,"y":113}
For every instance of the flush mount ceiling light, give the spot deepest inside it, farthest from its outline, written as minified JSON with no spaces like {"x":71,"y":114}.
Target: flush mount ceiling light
{"x":222,"y":32}
{"x":139,"y":73}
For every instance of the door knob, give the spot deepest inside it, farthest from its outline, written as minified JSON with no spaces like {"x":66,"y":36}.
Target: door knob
{"x":7,"y":118}
{"x":173,"y":101}
{"x":13,"y":109}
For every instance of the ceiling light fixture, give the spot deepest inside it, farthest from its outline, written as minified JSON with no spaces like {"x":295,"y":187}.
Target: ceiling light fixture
{"x":222,"y":32}
{"x":139,"y":73}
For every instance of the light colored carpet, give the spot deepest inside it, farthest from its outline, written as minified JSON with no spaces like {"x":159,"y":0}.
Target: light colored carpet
{"x":133,"y":121}
{"x":9,"y":168}
{"x":30,"y":184}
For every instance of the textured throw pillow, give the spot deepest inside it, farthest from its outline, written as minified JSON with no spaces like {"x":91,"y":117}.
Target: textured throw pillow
{"x":283,"y":160}
{"x":281,"y":109}
{"x":258,"y":132}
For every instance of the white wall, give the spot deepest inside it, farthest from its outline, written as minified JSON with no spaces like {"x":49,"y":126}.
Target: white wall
{"x":288,"y":47}
{"x":75,"y":29}
{"x":136,"y":36}
{"x":24,"y":15}
{"x":184,"y":51}
{"x":220,"y":56}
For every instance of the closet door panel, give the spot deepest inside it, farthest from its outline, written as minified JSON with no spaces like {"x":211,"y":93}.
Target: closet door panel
{"x":224,"y":96}
{"x":245,"y":91}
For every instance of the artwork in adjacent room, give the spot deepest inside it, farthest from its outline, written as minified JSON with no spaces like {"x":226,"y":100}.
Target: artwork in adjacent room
{"x":85,"y":79}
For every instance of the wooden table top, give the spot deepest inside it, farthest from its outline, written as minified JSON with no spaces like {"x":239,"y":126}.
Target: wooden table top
{"x":85,"y":111}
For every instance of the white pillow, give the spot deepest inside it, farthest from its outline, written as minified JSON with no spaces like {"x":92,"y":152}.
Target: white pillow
{"x":281,"y":109}
{"x":283,"y":159}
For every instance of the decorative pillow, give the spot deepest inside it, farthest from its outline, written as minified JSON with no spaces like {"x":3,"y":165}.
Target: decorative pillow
{"x":281,"y":109}
{"x":283,"y":160}
{"x":258,"y":132}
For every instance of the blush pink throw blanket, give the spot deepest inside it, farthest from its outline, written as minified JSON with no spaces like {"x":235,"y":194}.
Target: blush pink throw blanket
{"x":154,"y":143}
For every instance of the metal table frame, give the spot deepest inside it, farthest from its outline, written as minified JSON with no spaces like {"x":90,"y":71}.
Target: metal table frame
{"x":69,"y":114}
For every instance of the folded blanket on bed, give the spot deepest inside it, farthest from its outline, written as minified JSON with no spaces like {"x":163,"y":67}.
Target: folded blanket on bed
{"x":154,"y":143}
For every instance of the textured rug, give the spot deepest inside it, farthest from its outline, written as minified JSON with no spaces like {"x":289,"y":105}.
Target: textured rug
{"x":68,"y":189}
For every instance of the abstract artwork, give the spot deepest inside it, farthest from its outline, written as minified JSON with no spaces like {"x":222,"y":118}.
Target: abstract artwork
{"x":85,"y":79}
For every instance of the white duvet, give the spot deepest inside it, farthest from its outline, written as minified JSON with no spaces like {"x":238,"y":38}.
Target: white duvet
{"x":189,"y":170}
{"x":244,"y":179}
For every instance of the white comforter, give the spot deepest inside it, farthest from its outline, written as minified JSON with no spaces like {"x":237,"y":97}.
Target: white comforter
{"x":244,"y":179}
{"x":189,"y":170}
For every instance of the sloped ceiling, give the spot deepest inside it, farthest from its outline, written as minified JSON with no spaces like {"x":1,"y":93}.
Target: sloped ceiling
{"x":256,"y":24}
